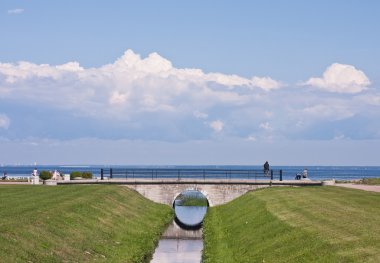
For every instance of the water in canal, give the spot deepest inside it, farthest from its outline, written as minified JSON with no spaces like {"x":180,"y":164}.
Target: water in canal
{"x":182,"y":241}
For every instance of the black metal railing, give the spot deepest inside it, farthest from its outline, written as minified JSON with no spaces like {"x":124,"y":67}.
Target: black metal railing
{"x":160,"y":173}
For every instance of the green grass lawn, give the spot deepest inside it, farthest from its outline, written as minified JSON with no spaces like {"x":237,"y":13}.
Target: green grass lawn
{"x":305,"y":224}
{"x":78,"y":224}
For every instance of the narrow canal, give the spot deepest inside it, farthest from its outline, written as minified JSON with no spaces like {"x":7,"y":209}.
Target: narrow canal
{"x":182,"y":241}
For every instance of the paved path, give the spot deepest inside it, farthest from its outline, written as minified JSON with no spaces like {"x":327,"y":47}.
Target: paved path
{"x":371,"y":188}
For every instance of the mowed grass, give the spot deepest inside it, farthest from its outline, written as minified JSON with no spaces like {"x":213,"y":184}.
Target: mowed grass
{"x":284,"y":224}
{"x":78,"y":224}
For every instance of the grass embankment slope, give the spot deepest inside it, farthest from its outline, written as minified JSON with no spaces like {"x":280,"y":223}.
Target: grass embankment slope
{"x":193,"y":201}
{"x":78,"y":224}
{"x":308,"y":224}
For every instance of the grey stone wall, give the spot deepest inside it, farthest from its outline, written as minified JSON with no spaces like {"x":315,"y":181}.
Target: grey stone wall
{"x":216,"y":194}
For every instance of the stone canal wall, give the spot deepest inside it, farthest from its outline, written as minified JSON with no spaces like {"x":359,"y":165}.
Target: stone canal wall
{"x":216,"y":194}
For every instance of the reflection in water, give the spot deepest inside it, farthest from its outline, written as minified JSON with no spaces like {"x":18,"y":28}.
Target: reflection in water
{"x":178,"y":251}
{"x":183,"y":245}
{"x":179,"y":245}
{"x":190,"y":215}
{"x":174,"y":231}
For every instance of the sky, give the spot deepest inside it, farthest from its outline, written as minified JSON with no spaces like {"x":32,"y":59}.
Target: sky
{"x":189,"y":82}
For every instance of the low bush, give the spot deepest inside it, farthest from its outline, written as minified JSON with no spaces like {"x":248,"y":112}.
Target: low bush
{"x":45,"y":175}
{"x":86,"y":175}
{"x":75,"y":175}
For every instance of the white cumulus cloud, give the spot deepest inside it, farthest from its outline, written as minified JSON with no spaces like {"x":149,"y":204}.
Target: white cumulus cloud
{"x":4,"y":121}
{"x":148,"y":84}
{"x":217,"y":125}
{"x":118,"y":98}
{"x":200,"y":115}
{"x":265,"y":126}
{"x":16,"y":11}
{"x":341,"y":78}
{"x":266,"y":83}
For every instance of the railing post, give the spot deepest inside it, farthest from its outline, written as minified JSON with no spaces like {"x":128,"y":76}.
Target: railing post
{"x":281,"y":175}
{"x":101,"y":174}
{"x":178,"y":175}
{"x":271,"y":174}
{"x":110,"y":173}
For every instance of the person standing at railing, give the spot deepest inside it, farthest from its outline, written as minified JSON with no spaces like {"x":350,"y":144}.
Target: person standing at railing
{"x":304,"y":174}
{"x":266,"y":168}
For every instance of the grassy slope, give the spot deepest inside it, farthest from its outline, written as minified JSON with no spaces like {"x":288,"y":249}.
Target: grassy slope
{"x":193,"y":201}
{"x":310,"y":224}
{"x":78,"y":224}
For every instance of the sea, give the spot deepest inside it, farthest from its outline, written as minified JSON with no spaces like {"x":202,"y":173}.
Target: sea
{"x":289,"y":172}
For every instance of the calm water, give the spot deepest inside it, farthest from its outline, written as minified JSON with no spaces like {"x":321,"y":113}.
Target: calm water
{"x":289,"y":172}
{"x":178,"y":245}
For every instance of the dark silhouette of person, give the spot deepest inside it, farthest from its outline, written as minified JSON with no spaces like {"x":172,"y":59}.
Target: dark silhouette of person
{"x":266,"y":168}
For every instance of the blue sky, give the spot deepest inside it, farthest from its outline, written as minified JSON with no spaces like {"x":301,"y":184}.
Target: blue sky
{"x":195,"y":82}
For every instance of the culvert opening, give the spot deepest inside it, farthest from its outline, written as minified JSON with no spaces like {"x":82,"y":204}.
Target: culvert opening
{"x":190,"y":208}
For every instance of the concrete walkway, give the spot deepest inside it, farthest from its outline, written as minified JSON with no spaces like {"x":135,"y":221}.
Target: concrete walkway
{"x":371,"y":188}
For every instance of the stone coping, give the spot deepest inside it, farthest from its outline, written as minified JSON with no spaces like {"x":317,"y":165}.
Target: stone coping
{"x":192,"y":181}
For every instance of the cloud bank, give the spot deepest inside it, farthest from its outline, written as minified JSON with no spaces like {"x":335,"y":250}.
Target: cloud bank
{"x":135,"y":84}
{"x":149,"y":98}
